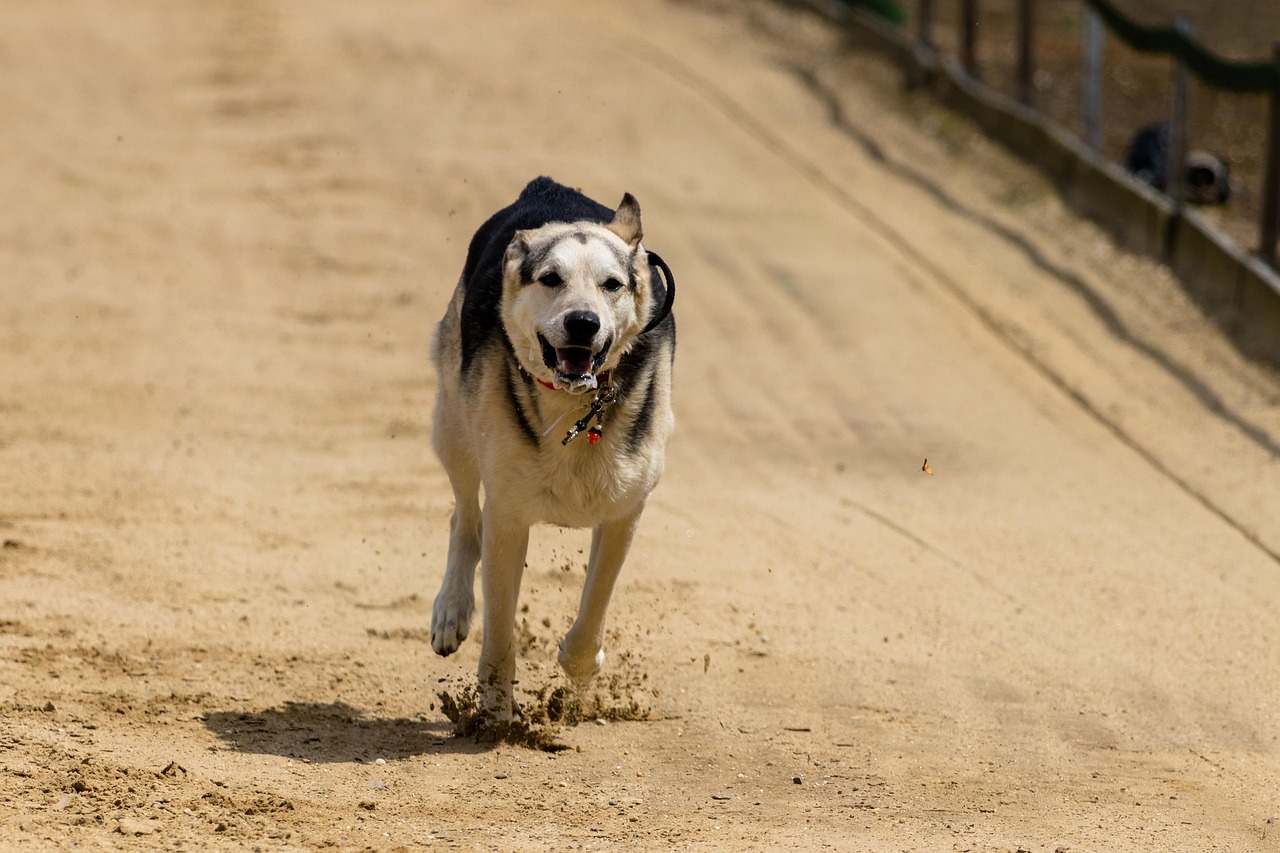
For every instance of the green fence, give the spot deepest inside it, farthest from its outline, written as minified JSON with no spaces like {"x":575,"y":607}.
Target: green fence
{"x":1243,"y":77}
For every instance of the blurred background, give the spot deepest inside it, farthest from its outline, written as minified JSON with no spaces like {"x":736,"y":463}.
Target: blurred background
{"x":1137,"y":87}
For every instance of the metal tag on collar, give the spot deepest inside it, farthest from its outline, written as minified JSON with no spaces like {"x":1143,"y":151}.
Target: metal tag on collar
{"x":604,"y":397}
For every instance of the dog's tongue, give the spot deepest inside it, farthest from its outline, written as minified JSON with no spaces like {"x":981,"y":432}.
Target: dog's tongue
{"x":574,"y":361}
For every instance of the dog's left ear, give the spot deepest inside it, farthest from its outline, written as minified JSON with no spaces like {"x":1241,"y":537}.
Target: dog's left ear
{"x":626,"y":222}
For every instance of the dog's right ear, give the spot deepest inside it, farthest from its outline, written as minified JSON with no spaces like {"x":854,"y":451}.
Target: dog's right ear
{"x":519,"y":245}
{"x":517,"y":255}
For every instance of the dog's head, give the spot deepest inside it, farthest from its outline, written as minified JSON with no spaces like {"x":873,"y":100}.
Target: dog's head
{"x":575,"y":296}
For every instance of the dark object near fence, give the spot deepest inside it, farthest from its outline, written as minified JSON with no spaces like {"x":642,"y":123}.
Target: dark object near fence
{"x":1206,"y":178}
{"x":1148,"y":155}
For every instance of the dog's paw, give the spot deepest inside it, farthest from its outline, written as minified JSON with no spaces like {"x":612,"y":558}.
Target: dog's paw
{"x":497,"y":708}
{"x":451,"y":621}
{"x":581,"y":662}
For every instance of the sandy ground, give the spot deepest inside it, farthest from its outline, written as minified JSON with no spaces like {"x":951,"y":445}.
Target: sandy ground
{"x":227,"y":230}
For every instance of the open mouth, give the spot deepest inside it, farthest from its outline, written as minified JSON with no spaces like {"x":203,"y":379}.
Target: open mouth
{"x":572,"y":363}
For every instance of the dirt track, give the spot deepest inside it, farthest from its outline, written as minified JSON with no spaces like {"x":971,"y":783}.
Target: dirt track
{"x":227,"y":231}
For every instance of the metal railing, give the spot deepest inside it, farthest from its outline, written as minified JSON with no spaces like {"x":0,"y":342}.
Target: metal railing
{"x":1188,"y":56}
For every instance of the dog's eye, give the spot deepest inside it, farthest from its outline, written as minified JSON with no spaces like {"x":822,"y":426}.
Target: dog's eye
{"x":611,"y":284}
{"x":551,"y":278}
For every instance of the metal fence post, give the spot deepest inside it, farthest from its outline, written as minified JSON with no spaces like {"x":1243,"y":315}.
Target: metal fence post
{"x":1092,"y":88}
{"x":1176,"y":163}
{"x":1026,"y":62}
{"x":969,"y":37}
{"x":1271,"y":179}
{"x":924,"y":24}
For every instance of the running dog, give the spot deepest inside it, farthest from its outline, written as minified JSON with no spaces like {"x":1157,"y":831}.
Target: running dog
{"x":554,"y":359}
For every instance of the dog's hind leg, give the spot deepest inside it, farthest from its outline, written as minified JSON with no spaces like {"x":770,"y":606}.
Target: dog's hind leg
{"x":456,"y":601}
{"x":582,"y":650}
{"x":505,"y":546}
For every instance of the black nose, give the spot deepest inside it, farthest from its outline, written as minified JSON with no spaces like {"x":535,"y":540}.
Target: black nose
{"x":581,"y":326}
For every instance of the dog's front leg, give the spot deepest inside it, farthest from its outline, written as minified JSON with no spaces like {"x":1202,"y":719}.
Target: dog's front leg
{"x":506,"y":543}
{"x":582,"y":650}
{"x":451,"y":613}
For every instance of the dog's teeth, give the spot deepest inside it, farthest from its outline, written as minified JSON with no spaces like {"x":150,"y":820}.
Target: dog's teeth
{"x":581,"y":382}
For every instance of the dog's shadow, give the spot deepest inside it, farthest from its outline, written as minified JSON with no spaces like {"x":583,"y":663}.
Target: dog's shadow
{"x":334,"y":732}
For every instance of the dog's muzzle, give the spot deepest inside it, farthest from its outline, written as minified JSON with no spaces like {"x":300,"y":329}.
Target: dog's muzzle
{"x":574,"y":366}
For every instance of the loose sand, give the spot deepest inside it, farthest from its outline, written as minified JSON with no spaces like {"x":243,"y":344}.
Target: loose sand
{"x":227,"y":230}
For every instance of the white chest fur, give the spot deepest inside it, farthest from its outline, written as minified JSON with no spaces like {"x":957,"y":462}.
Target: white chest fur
{"x":574,"y":485}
